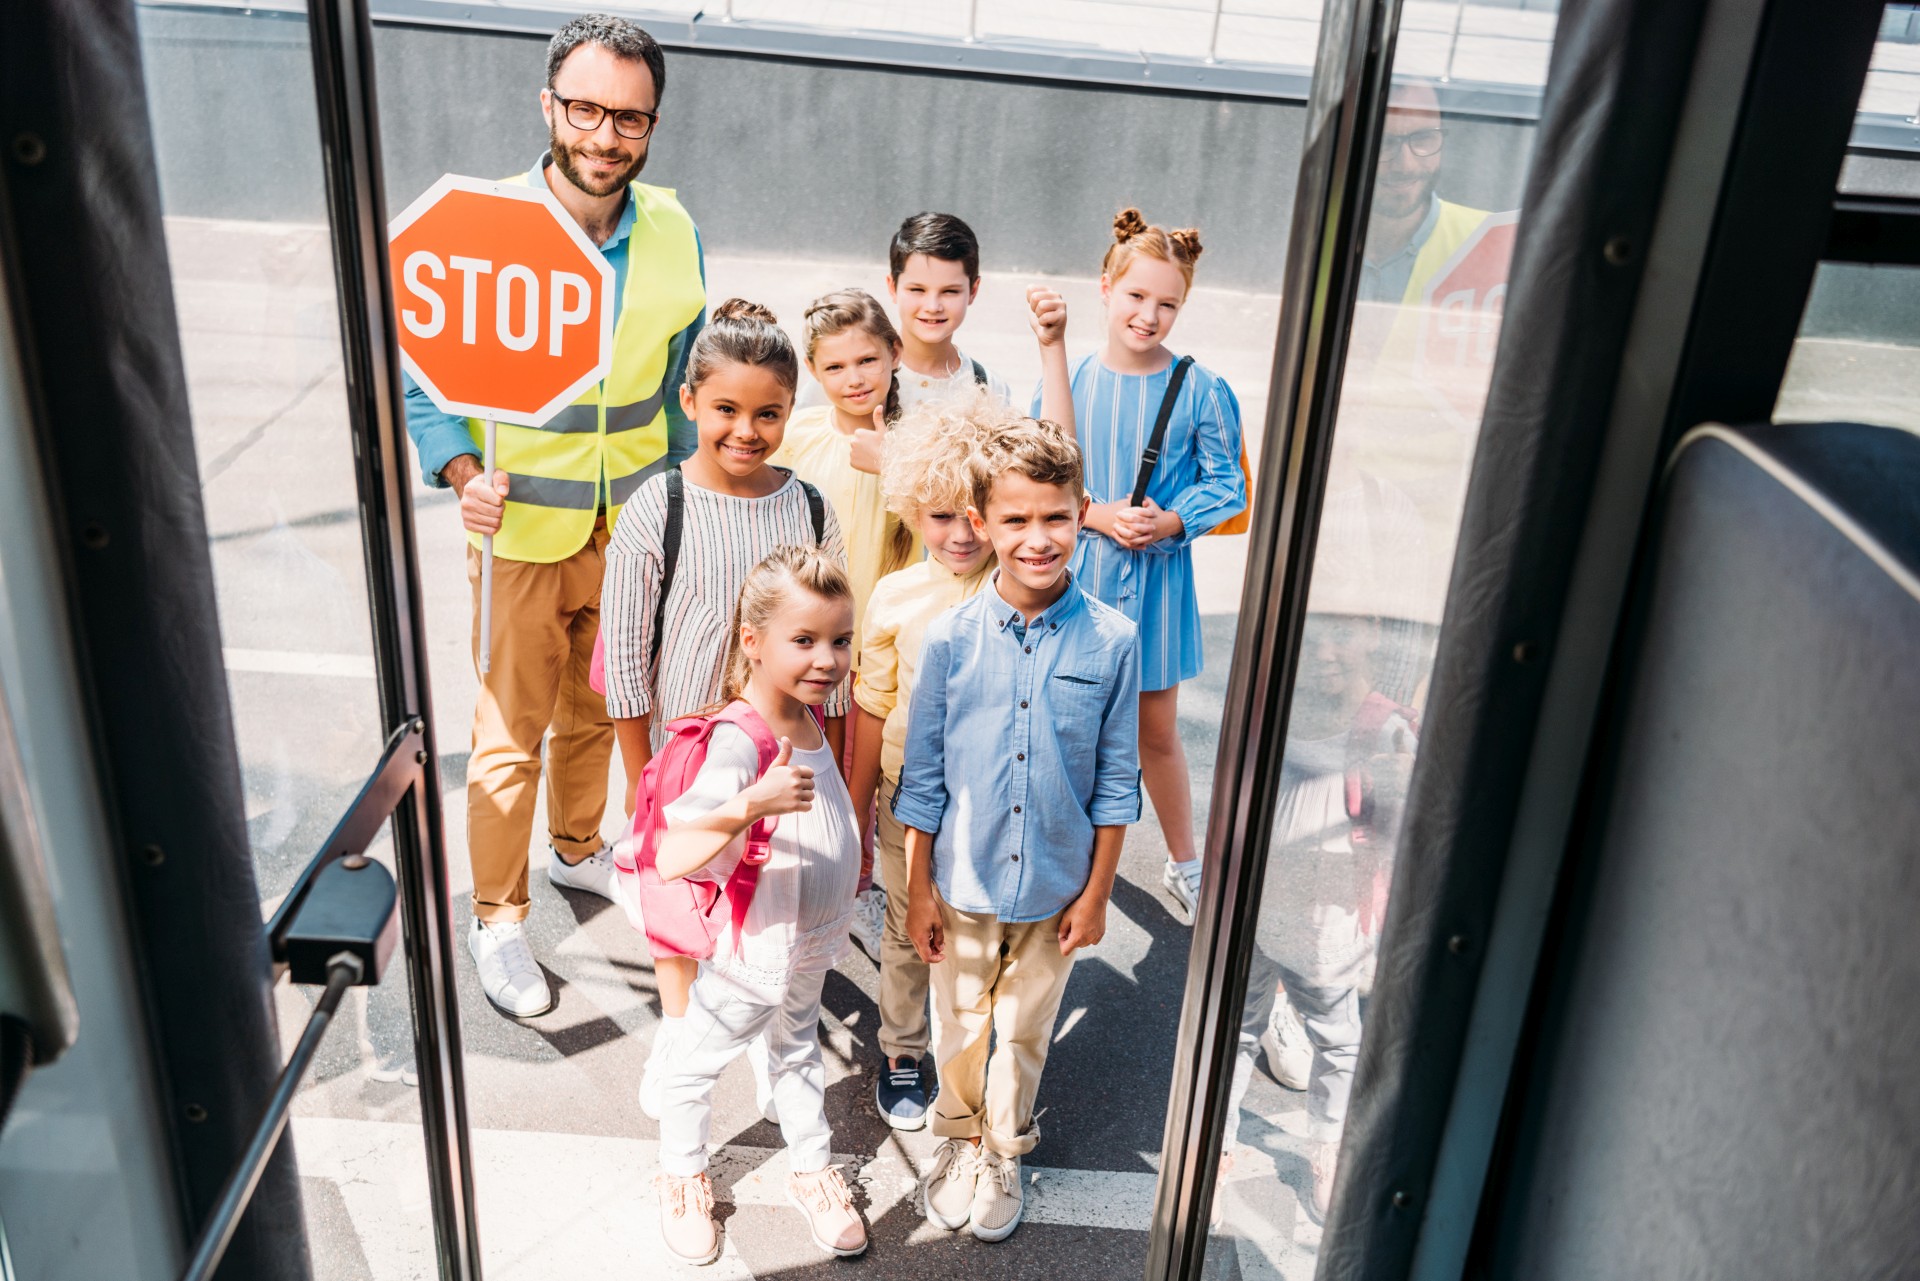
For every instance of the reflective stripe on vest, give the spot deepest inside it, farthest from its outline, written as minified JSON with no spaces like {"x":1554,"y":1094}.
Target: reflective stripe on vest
{"x":615,"y":435}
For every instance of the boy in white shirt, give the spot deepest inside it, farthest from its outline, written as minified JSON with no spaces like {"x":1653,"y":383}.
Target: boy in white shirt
{"x":933,"y":276}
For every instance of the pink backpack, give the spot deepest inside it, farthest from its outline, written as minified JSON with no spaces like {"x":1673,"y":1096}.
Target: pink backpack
{"x":686,"y":917}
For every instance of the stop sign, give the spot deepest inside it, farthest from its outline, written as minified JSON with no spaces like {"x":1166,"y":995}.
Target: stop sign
{"x":1460,"y":321}
{"x":505,"y":307}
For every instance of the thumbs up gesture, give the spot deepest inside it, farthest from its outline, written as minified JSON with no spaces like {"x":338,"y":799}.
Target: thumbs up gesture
{"x":785,"y":788}
{"x":865,"y":447}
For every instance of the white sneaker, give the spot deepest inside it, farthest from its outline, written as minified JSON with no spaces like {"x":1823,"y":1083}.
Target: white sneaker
{"x":1289,"y":1053}
{"x":513,"y":980}
{"x":870,"y":921}
{"x":593,"y":874}
{"x":1182,"y":880}
{"x":998,"y":1199}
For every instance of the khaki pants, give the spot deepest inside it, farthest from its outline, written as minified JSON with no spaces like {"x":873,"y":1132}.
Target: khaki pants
{"x":903,"y":975}
{"x":545,"y":619}
{"x":999,"y":982}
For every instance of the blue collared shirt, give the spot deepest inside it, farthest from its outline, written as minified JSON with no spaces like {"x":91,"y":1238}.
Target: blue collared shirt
{"x":1386,"y":280}
{"x":441,"y":437}
{"x":1023,"y":737}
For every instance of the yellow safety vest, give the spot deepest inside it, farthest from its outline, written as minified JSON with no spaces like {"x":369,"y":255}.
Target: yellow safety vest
{"x":597,"y":451}
{"x":1450,"y":230}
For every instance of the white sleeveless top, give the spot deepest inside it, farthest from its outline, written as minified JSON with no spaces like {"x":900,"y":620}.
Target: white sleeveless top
{"x":803,"y":905}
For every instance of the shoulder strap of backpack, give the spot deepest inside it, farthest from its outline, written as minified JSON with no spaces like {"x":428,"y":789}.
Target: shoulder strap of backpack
{"x":670,"y":772}
{"x":669,"y":556}
{"x":979,"y":373}
{"x":740,"y":715}
{"x":1151,"y":458}
{"x":817,"y":509}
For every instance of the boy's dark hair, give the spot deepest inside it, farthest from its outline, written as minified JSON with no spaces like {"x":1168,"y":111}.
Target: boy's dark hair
{"x":617,"y":36}
{"x":937,"y":235}
{"x":1038,"y":448}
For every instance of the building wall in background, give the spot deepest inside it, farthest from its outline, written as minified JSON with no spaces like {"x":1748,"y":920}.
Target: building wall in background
{"x":795,"y":160}
{"x":777,"y":157}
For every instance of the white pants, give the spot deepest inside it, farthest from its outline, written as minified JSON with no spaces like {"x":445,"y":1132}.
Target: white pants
{"x":721,"y":1022}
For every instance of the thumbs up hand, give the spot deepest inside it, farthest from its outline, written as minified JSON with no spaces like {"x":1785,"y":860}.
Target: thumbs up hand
{"x":785,"y":788}
{"x":865,"y":448}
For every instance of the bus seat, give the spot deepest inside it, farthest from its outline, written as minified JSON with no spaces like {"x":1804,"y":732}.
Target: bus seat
{"x":1727,"y":1080}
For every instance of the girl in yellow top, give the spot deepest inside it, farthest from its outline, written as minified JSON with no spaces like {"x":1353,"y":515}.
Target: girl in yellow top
{"x":928,"y":479}
{"x":852,"y":350}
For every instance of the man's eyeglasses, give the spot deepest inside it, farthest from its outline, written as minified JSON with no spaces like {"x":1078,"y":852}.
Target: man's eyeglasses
{"x":586,"y":117}
{"x":1421,"y":142}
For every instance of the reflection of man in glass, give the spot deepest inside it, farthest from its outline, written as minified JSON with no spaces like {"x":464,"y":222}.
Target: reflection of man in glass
{"x":1411,"y":231}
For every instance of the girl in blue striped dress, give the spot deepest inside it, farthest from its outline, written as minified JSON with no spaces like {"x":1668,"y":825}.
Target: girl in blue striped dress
{"x":1140,"y":559}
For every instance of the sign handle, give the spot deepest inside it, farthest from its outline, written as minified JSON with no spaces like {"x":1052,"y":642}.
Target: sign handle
{"x":486,"y":564}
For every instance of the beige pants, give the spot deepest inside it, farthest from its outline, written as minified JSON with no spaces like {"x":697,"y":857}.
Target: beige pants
{"x":903,"y":975}
{"x":998,"y":982}
{"x":545,"y":619}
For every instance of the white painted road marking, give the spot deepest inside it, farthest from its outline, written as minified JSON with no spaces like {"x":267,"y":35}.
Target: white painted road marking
{"x":288,"y":662}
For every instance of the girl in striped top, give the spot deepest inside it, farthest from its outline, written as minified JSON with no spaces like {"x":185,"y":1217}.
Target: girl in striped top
{"x":741,"y":375}
{"x":1140,"y":559}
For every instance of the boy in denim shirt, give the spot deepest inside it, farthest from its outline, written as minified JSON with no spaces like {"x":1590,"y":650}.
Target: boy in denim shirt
{"x":1022,"y":772}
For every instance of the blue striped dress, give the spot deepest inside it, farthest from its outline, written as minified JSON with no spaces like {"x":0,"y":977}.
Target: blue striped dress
{"x":1199,"y":477}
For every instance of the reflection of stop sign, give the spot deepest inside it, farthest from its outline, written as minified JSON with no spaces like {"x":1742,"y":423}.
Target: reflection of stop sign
{"x":505,"y":307}
{"x":1460,"y":324}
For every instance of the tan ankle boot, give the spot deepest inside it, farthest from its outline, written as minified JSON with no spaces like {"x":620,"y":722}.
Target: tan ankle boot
{"x":686,"y":1217}
{"x":828,"y":1204}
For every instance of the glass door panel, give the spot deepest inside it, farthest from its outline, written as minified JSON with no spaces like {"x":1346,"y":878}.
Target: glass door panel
{"x":1438,"y":240}
{"x":248,"y":241}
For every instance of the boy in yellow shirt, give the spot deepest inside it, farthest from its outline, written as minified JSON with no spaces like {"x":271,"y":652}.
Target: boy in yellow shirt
{"x":928,"y":479}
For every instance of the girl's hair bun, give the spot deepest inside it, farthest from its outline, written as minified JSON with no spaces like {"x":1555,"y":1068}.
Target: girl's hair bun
{"x":741,"y":309}
{"x":1187,"y":241}
{"x":1127,"y":224}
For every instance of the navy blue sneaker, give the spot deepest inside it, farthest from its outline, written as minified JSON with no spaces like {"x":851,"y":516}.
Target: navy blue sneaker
{"x":900,"y":1096}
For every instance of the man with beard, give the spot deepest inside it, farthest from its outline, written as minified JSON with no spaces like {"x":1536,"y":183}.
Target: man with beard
{"x":555,"y":494}
{"x":1411,"y":232}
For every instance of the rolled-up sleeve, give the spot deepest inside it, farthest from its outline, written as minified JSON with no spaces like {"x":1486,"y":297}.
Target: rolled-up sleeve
{"x":921,"y":801}
{"x":1220,"y":491}
{"x":439,"y":437}
{"x":629,"y":601}
{"x":1116,"y":781}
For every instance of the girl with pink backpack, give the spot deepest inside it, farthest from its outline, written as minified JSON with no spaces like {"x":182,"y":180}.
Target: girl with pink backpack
{"x":747,"y":854}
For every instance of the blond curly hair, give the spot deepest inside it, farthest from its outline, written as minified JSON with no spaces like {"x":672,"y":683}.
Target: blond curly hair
{"x":932,"y":452}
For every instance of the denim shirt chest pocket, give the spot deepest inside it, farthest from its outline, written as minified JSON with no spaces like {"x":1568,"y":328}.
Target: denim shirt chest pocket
{"x":1077,"y":695}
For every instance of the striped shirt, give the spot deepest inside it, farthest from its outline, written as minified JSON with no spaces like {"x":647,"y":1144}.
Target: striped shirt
{"x":721,"y":539}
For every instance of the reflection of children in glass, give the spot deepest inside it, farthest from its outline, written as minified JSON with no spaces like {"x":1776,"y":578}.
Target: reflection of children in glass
{"x":1140,"y":559}
{"x":1351,"y":736}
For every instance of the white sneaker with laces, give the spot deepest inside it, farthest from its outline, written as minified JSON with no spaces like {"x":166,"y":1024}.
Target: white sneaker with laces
{"x":593,"y":874}
{"x":511,"y":977}
{"x":870,"y":921}
{"x":1182,"y":880}
{"x":949,"y":1187}
{"x":998,"y":1199}
{"x":1289,"y":1053}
